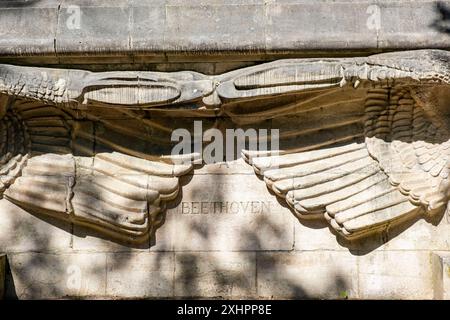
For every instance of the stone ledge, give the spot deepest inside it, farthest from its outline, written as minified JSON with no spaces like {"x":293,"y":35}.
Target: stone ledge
{"x":129,"y":31}
{"x":268,"y":275}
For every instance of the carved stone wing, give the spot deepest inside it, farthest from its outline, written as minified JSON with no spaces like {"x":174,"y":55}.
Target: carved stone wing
{"x":79,"y":89}
{"x":364,"y":142}
{"x":63,"y":154}
{"x":117,"y":194}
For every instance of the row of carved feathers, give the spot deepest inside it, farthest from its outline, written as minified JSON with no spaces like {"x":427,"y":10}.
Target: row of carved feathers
{"x":110,"y":191}
{"x":399,"y":169}
{"x":401,"y":166}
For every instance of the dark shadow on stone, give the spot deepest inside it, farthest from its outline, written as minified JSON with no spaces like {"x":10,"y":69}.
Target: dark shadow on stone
{"x":189,"y":272}
{"x":371,"y":242}
{"x":83,"y":232}
{"x":442,"y":21}
{"x":310,"y":223}
{"x":10,"y":288}
{"x":54,"y":221}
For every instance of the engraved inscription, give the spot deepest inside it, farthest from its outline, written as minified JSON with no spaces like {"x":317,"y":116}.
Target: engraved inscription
{"x":223,"y":207}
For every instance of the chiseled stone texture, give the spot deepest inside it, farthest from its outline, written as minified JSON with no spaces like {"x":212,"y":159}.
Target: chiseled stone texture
{"x":396,"y":274}
{"x":22,"y":232}
{"x":227,"y":218}
{"x":21,"y":37}
{"x":241,"y":255}
{"x":226,"y":236}
{"x":56,"y":275}
{"x":215,"y":274}
{"x":327,"y":275}
{"x":124,"y":30}
{"x":109,"y":18}
{"x":140,"y":275}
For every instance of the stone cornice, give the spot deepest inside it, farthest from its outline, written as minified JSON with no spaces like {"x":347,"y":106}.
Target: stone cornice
{"x":130,"y":31}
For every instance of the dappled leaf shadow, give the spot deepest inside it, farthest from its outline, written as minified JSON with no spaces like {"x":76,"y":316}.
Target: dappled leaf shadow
{"x":442,"y":21}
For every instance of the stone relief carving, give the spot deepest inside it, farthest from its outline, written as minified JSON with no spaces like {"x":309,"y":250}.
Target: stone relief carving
{"x":364,"y":142}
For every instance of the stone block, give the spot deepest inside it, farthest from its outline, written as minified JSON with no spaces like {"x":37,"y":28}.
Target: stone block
{"x":22,"y":231}
{"x":225,"y":26}
{"x":429,"y":29}
{"x":317,"y":25}
{"x":416,"y":234}
{"x":215,"y":274}
{"x":140,"y":275}
{"x":438,"y":276}
{"x":56,"y":276}
{"x":192,"y":31}
{"x":148,"y":25}
{"x":320,"y":274}
{"x":228,"y":212}
{"x":28,"y":30}
{"x":315,"y":235}
{"x":100,"y":27}
{"x":396,"y":275}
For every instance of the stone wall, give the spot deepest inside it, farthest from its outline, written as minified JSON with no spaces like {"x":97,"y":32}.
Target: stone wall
{"x":226,"y":235}
{"x":228,"y":242}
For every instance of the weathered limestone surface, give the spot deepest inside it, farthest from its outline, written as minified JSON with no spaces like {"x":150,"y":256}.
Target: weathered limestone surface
{"x":149,"y":275}
{"x":215,"y":274}
{"x":384,"y":275}
{"x":331,"y":274}
{"x":351,"y":206}
{"x":164,"y":30}
{"x":228,"y":218}
{"x":22,"y":232}
{"x":56,"y":275}
{"x":318,"y":266}
{"x":102,"y":147}
{"x":354,"y":207}
{"x":441,"y":261}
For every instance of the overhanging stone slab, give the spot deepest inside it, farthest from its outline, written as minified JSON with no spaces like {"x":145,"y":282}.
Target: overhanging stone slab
{"x":28,"y":29}
{"x":166,"y":30}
